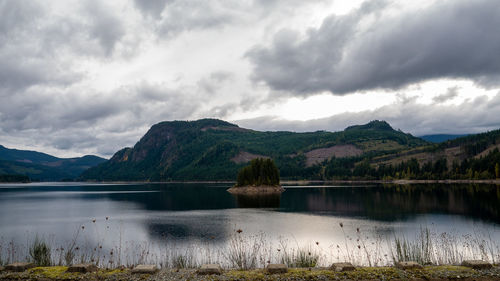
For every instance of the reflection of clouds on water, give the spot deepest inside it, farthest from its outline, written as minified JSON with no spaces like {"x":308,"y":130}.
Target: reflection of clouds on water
{"x":182,"y":226}
{"x":159,"y":216}
{"x":69,"y":194}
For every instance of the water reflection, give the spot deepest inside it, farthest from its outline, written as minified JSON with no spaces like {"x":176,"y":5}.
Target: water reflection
{"x":200,"y":212}
{"x":177,"y":197}
{"x":258,"y":201}
{"x":396,"y":202}
{"x":376,"y":202}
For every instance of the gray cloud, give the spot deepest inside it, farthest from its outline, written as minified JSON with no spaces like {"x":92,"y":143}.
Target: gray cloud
{"x":104,"y":25}
{"x":449,"y":95}
{"x":173,"y":17}
{"x":214,"y":81}
{"x":152,"y":8}
{"x":38,"y":48}
{"x":16,"y":15}
{"x":23,"y":62}
{"x":18,"y":72}
{"x":221,"y":111}
{"x":371,"y":49}
{"x":186,"y":15}
{"x":169,"y":18}
{"x":94,"y":122}
{"x":477,"y":115}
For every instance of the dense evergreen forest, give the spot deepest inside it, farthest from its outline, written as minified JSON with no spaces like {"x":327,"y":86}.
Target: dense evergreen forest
{"x":487,"y":167}
{"x":260,"y":172}
{"x":14,"y":178}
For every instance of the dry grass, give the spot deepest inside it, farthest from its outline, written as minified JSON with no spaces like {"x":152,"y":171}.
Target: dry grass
{"x":244,"y":251}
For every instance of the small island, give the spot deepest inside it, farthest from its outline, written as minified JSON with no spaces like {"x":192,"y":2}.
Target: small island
{"x":260,"y":177}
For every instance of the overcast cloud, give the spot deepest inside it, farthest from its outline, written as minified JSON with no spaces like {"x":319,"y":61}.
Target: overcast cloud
{"x":405,"y":114}
{"x":90,"y":77}
{"x":372,"y":48}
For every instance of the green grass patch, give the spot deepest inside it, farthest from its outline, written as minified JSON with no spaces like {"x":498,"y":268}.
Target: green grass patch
{"x":53,"y":272}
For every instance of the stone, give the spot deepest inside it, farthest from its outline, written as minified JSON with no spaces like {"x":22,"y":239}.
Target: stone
{"x":277,"y":268}
{"x":477,"y":264}
{"x":1,"y":268}
{"x":405,"y":265}
{"x":208,"y":269}
{"x":83,"y":268}
{"x":19,"y":266}
{"x":145,"y":269}
{"x":342,"y":266}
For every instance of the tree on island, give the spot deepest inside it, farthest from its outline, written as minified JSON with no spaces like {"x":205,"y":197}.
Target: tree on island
{"x":260,"y":172}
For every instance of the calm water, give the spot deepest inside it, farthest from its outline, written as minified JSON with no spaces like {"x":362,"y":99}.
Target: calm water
{"x":146,"y":217}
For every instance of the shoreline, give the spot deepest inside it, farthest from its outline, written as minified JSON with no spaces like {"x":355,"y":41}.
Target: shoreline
{"x":284,"y":182}
{"x":290,"y":182}
{"x":433,"y":272}
{"x":400,"y":181}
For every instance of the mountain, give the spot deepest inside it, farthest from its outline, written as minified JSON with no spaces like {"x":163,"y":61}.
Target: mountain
{"x":25,"y":156}
{"x":440,"y":137}
{"x":211,"y":149}
{"x":464,"y":158}
{"x":44,"y":167}
{"x":375,"y":125}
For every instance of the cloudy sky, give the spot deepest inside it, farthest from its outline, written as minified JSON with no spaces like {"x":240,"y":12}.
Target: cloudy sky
{"x":90,"y":77}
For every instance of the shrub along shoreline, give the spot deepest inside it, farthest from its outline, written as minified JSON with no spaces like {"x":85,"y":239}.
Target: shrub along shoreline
{"x":245,"y":252}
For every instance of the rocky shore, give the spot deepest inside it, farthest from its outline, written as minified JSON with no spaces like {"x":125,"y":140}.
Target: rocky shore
{"x":256,"y":190}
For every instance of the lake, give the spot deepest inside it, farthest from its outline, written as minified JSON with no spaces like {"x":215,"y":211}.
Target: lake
{"x":162,"y":223}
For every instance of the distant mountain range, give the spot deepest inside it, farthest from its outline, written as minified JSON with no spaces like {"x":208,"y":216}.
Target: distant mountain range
{"x":211,"y":149}
{"x":441,"y":137}
{"x":44,"y":167}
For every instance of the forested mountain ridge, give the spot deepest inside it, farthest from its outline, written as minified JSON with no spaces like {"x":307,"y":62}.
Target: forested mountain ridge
{"x":44,"y":167}
{"x":469,"y":157}
{"x":211,"y":149}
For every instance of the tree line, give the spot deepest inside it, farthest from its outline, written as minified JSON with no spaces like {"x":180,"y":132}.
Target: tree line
{"x":260,"y":172}
{"x":487,"y":167}
{"x":14,"y":178}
